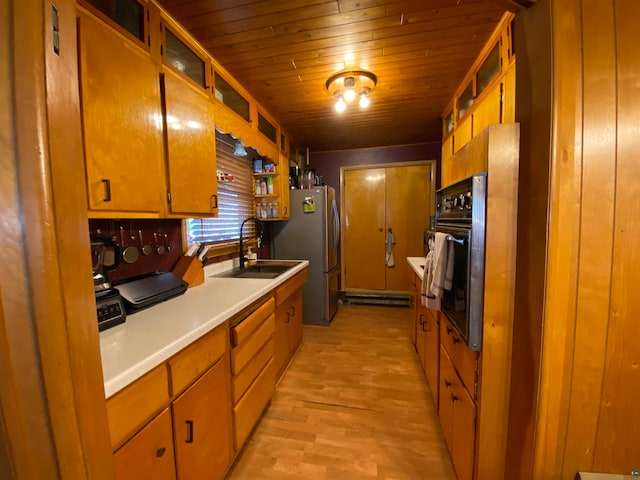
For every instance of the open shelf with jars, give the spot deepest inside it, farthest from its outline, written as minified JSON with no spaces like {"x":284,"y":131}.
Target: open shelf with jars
{"x":267,"y":194}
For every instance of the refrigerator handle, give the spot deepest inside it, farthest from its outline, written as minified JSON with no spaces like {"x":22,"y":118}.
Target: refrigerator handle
{"x":335,"y":218}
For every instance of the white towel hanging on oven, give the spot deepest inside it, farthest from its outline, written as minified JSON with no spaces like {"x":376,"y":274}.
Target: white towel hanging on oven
{"x":439,"y":264}
{"x":389,"y":243}
{"x":428,"y":299}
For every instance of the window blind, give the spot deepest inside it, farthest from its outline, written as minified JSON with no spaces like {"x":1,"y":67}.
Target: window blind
{"x":235,"y":197}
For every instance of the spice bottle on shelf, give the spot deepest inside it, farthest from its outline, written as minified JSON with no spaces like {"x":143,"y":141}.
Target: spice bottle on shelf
{"x":258,"y":187}
{"x":269,"y":186}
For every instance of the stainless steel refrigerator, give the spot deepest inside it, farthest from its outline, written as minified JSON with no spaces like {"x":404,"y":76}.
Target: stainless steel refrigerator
{"x":312,"y":233}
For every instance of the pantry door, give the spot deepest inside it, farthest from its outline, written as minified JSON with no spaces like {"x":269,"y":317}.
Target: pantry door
{"x":363,"y":229}
{"x":409,"y":203}
{"x":400,"y":198}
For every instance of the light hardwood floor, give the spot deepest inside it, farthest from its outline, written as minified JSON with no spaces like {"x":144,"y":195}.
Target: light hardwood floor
{"x":353,"y":404}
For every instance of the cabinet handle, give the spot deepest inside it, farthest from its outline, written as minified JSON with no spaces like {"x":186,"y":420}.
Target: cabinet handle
{"x":421,"y":320}
{"x":288,"y":317}
{"x":160,"y":452}
{"x":189,"y":431}
{"x":449,"y":330}
{"x":107,"y":190}
{"x":447,"y":383}
{"x":213,"y":201}
{"x":293,"y":310}
{"x":286,"y":210}
{"x":453,"y":397}
{"x":456,"y":340}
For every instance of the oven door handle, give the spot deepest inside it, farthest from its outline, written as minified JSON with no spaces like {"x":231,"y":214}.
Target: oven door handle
{"x":451,"y":238}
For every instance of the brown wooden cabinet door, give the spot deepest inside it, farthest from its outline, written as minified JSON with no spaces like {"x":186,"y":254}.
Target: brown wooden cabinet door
{"x":295,"y":322}
{"x":364,"y":231}
{"x":420,"y":334}
{"x":488,"y":111}
{"x":122,"y":122}
{"x":202,"y":426}
{"x":191,"y":147}
{"x":432,"y":352}
{"x":464,"y":417}
{"x":149,"y":454}
{"x":448,"y":380}
{"x":284,"y":209}
{"x":281,"y":340}
{"x":288,"y":333}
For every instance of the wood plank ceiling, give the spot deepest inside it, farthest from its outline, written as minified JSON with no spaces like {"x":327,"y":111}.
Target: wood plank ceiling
{"x":283,"y":51}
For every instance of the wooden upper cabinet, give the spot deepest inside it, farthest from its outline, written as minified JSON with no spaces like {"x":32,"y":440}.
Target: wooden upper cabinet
{"x":122,"y":122}
{"x":191,"y":147}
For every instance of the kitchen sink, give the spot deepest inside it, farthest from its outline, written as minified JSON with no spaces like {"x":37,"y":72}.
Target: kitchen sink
{"x":262,"y":269}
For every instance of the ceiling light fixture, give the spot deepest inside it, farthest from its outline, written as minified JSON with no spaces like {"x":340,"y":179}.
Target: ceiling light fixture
{"x":349,"y":84}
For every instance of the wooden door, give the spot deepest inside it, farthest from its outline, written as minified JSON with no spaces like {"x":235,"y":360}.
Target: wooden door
{"x":376,"y":200}
{"x":122,"y":122}
{"x":364,"y":233}
{"x":149,"y":454}
{"x":202,"y":427}
{"x":191,"y":147}
{"x":408,"y":204}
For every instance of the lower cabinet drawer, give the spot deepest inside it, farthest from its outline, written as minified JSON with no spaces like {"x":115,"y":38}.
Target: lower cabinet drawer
{"x":149,"y":454}
{"x":245,"y":351}
{"x":243,"y":379}
{"x":194,"y":360}
{"x":132,"y":407}
{"x":249,"y":408}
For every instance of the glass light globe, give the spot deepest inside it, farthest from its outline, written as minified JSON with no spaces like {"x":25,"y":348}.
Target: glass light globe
{"x":349,"y":95}
{"x":364,"y":101}
{"x":340,"y":105}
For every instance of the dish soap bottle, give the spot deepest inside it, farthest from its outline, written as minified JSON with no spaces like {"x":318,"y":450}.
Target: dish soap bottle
{"x":252,"y":257}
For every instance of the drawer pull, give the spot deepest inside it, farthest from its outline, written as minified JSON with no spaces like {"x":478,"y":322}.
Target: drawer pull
{"x":453,"y":397}
{"x":160,"y":452}
{"x":189,"y":431}
{"x":447,"y":383}
{"x":456,"y":340}
{"x":107,"y":190}
{"x":449,"y":330}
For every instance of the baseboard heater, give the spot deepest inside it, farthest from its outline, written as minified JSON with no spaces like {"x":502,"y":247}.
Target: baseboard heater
{"x":372,"y":298}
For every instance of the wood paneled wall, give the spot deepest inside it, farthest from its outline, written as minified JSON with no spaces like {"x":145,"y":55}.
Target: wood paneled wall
{"x":588,"y":415}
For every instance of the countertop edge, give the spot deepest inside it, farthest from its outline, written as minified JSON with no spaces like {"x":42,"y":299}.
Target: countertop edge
{"x":416,"y":264}
{"x":126,"y":356}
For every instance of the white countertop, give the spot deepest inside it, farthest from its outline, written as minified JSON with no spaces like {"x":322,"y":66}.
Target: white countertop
{"x":151,"y":336}
{"x":417,"y":264}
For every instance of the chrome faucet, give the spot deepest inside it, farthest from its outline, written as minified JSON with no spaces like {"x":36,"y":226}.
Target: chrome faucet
{"x":257,"y":222}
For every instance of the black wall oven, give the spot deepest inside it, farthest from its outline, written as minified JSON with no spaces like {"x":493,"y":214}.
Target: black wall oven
{"x":461,"y":215}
